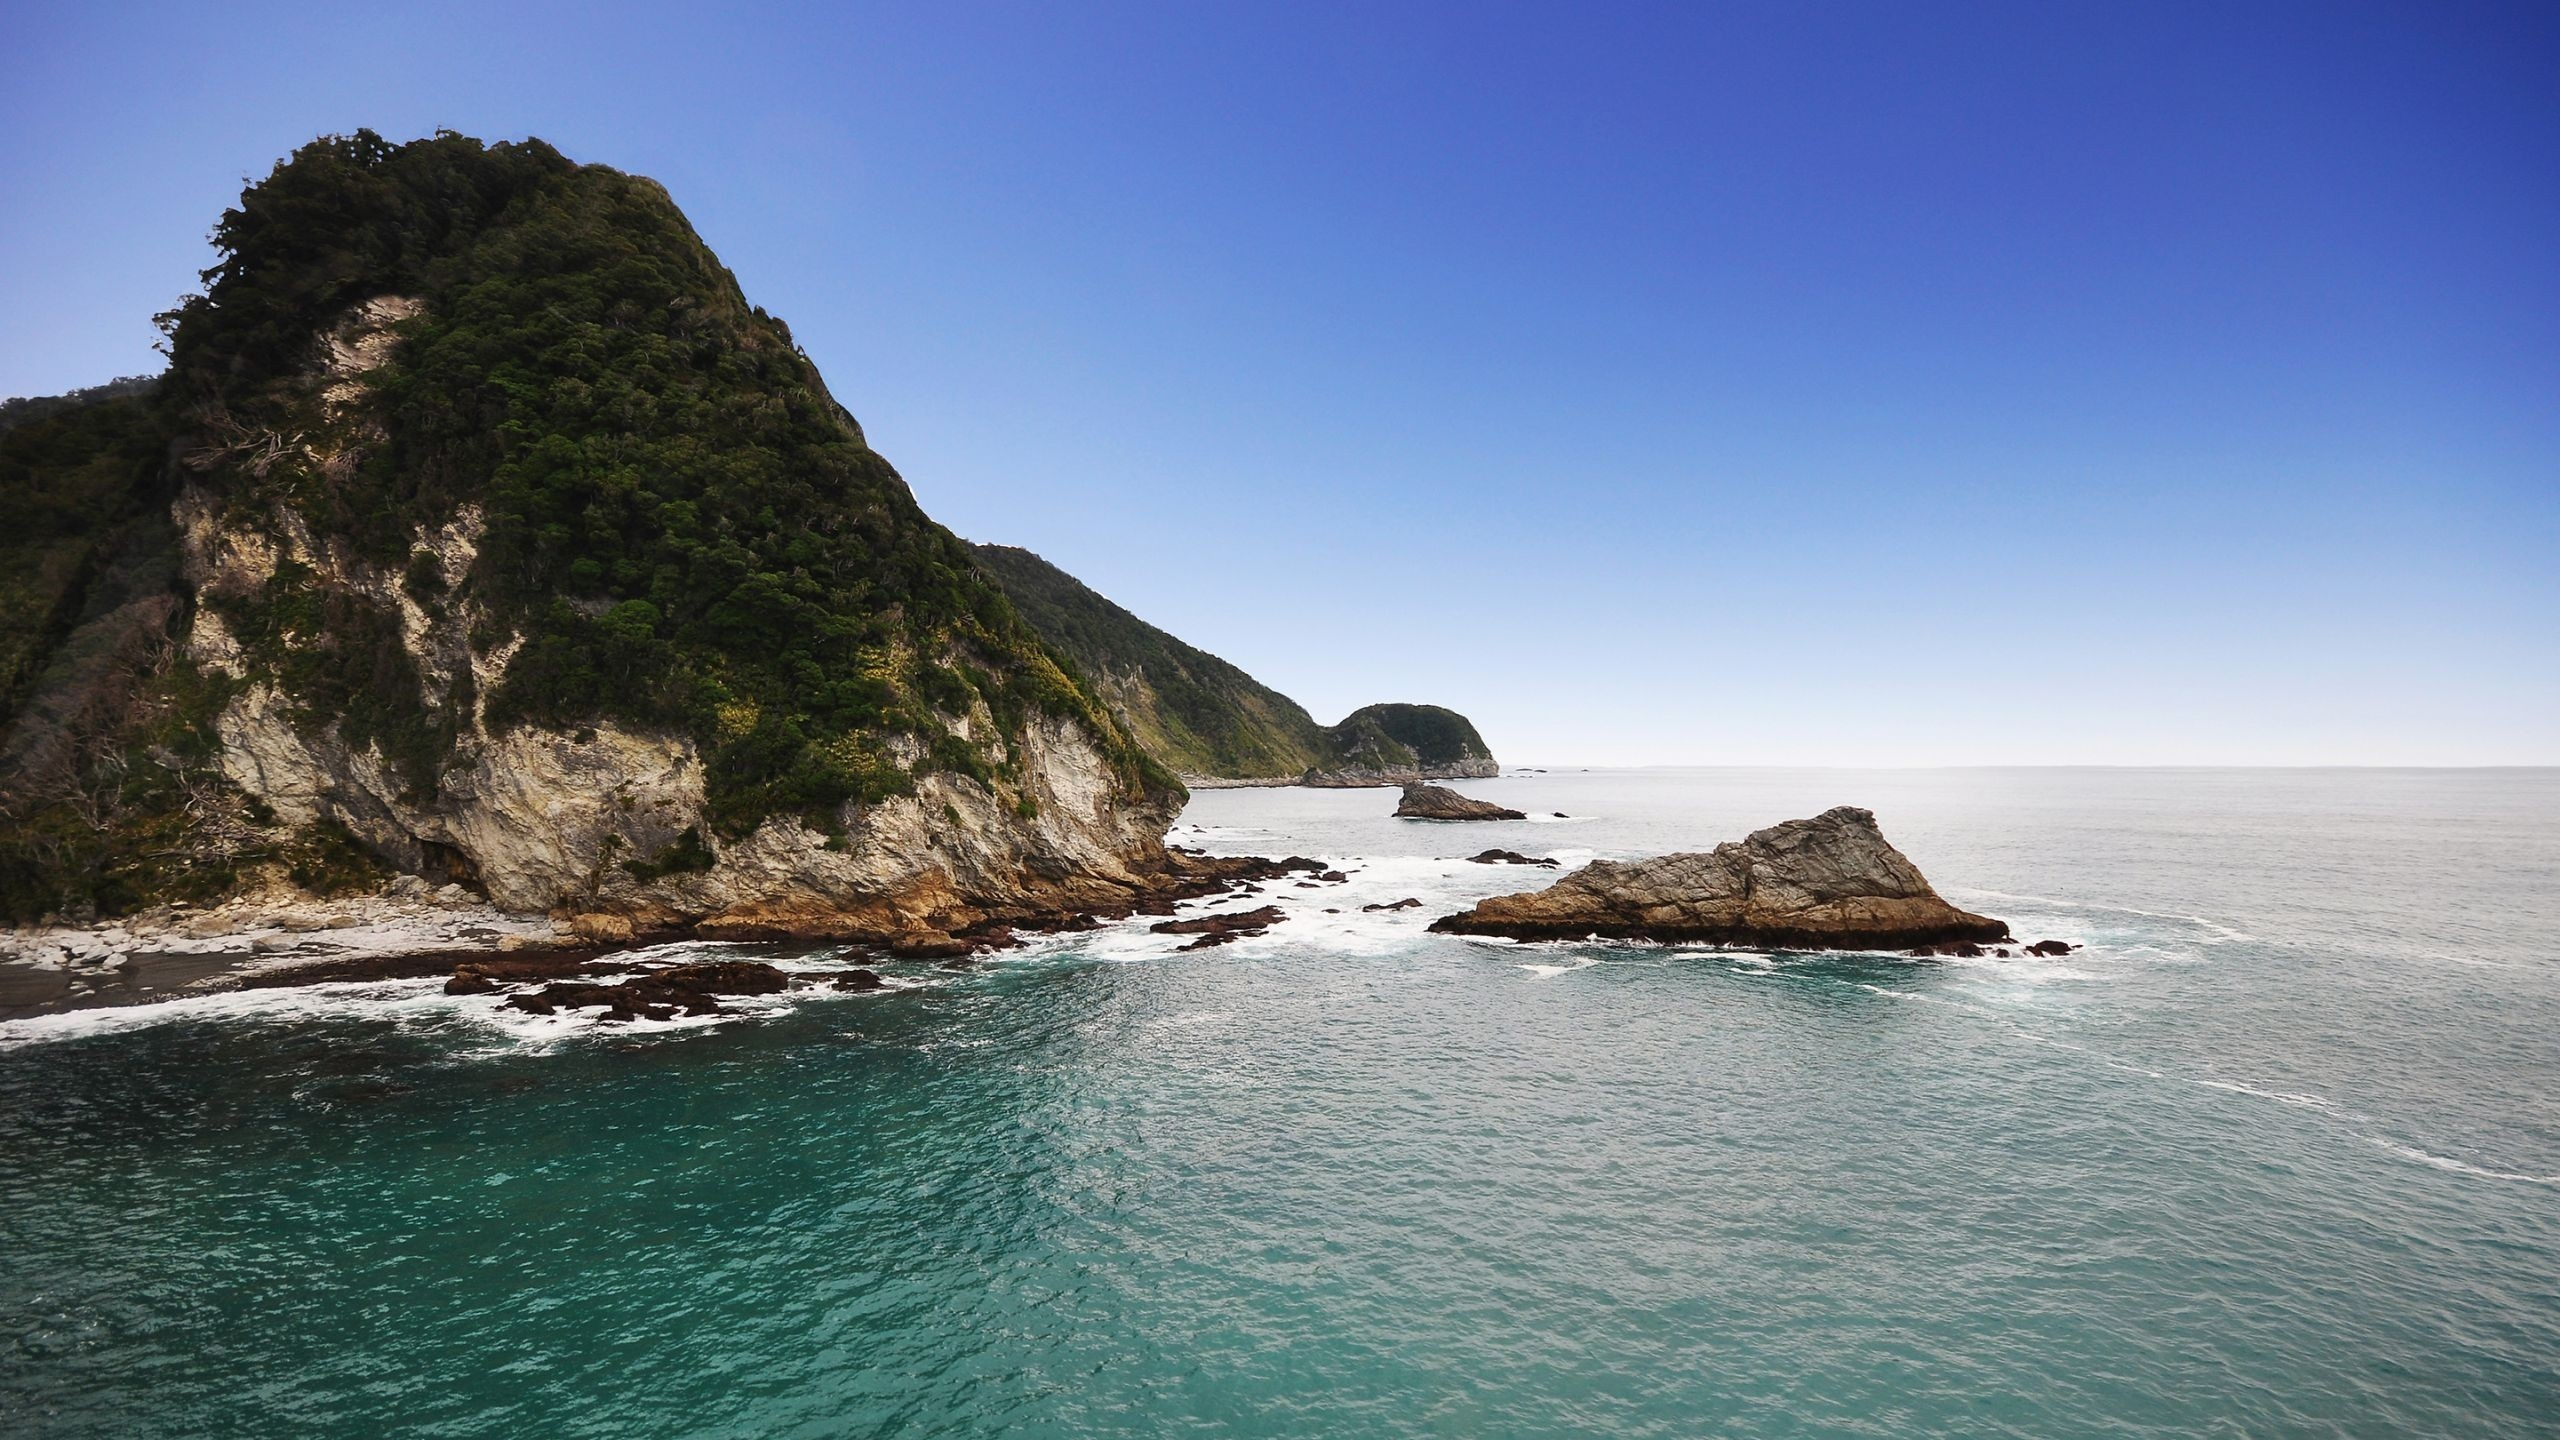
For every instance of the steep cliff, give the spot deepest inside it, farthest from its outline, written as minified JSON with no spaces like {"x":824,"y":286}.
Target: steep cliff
{"x":483,"y":530}
{"x":1212,"y":722}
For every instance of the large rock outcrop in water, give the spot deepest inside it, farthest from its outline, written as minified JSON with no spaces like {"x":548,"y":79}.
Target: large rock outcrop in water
{"x":483,"y":530}
{"x":1828,"y":883}
{"x":1435,"y":802}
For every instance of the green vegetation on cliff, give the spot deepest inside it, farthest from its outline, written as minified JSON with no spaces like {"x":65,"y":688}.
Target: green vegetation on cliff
{"x":1406,"y":737}
{"x":1192,"y":710}
{"x":676,"y":527}
{"x":1205,"y":717}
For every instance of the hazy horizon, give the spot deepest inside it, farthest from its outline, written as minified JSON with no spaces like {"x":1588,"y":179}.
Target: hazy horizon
{"x":1872,"y":387}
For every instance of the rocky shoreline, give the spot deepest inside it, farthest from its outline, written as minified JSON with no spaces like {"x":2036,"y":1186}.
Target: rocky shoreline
{"x":411,"y":932}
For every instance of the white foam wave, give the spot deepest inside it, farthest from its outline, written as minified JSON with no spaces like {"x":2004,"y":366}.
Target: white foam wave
{"x":421,"y":1002}
{"x":2441,"y":1162}
{"x":2282,"y":1097}
{"x":2218,"y":933}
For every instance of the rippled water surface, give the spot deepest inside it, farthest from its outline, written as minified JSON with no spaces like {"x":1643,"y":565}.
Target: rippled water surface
{"x":2277,"y":1153}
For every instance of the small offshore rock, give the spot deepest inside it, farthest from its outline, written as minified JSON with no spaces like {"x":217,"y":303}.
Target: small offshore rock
{"x":2050,"y":948}
{"x":1407,"y":903}
{"x":1239,"y":922}
{"x":1508,"y":857}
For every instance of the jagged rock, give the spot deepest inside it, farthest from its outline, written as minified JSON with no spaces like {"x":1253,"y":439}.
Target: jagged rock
{"x":928,"y":945}
{"x":1432,"y":802}
{"x":1831,"y":882}
{"x":602,"y":929}
{"x":1407,"y":903}
{"x":659,"y":994}
{"x":859,"y":979}
{"x":1243,"y":922}
{"x":2050,"y":948}
{"x":1509,"y":857}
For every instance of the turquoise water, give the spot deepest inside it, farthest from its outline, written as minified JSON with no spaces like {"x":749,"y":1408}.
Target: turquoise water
{"x":2277,"y":1154}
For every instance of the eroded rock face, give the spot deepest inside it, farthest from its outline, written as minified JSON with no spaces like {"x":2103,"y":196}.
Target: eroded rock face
{"x":1828,"y":883}
{"x":571,"y":820}
{"x":1432,"y":802}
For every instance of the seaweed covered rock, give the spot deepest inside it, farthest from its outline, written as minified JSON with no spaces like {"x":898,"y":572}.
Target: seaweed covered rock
{"x":1828,"y":883}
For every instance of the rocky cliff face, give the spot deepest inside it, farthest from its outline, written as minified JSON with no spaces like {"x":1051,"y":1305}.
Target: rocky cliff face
{"x":1831,"y":882}
{"x":566,"y":581}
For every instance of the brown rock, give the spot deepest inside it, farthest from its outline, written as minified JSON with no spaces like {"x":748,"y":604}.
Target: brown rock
{"x":1508,"y":857}
{"x":602,"y":929}
{"x":928,"y":945}
{"x":1246,"y":922}
{"x":1434,"y":802}
{"x":1828,"y":883}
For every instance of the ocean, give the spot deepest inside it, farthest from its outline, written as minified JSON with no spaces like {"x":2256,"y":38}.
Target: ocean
{"x":2277,"y":1152}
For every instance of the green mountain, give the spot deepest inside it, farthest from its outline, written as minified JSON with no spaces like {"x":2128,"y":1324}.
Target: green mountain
{"x":483,"y":529}
{"x":1209,"y":720}
{"x":1194,"y":712}
{"x":1391,"y":741}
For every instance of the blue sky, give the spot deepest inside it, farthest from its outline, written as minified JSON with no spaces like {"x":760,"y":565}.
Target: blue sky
{"x":1792,"y":383}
